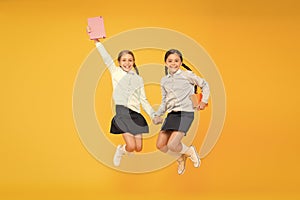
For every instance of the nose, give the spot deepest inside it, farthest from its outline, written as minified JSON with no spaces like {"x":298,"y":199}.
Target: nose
{"x":173,"y":63}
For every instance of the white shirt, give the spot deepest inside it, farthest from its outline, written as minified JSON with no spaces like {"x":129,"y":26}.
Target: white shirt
{"x":128,"y":87}
{"x":177,"y":89}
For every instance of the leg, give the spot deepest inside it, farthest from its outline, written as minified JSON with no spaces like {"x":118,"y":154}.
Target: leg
{"x":130,"y":142}
{"x":138,"y":142}
{"x":122,"y":149}
{"x":174,"y":143}
{"x":162,"y":141}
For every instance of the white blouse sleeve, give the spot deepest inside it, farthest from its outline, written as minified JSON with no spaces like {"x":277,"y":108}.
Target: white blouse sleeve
{"x":106,"y":57}
{"x":162,"y":108}
{"x":194,"y":79}
{"x":145,"y":104}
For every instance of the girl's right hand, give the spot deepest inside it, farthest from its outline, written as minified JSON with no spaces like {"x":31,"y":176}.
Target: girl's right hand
{"x":157,"y":120}
{"x":88,"y":30}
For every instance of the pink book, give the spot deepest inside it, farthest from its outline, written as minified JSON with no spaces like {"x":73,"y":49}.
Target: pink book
{"x":95,"y":28}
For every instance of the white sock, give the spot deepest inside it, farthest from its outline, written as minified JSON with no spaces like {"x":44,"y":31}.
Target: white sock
{"x":123,"y":148}
{"x":184,"y":149}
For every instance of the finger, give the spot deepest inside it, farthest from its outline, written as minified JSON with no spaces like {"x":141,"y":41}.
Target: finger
{"x":88,"y":29}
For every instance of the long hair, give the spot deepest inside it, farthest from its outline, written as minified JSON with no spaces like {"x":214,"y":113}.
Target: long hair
{"x":124,"y":52}
{"x":175,"y":51}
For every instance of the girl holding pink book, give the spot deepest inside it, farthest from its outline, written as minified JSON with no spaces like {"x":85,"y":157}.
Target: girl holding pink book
{"x":128,"y":95}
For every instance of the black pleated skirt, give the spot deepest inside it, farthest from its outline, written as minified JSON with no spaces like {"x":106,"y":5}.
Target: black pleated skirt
{"x":178,"y":121}
{"x":128,"y":121}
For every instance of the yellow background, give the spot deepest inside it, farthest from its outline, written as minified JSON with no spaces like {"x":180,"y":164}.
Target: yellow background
{"x":255,"y":45}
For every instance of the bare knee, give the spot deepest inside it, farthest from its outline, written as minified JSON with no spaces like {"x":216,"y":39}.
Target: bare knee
{"x":130,"y":147}
{"x":138,"y":148}
{"x":161,"y":142}
{"x":162,"y":147}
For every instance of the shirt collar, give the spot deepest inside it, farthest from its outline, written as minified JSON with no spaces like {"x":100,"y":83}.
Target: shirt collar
{"x":176,"y":73}
{"x":132,"y":71}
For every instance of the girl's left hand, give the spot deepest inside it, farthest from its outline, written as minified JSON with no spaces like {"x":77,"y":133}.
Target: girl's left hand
{"x":201,"y":106}
{"x":157,"y":120}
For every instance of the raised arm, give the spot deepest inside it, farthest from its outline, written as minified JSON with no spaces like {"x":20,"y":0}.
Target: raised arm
{"x":105,"y":56}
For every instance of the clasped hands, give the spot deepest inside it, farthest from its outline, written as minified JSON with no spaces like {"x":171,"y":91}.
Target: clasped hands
{"x":157,"y":120}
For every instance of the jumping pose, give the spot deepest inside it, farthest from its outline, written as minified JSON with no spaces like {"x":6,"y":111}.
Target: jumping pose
{"x":128,"y":94}
{"x":177,"y":87}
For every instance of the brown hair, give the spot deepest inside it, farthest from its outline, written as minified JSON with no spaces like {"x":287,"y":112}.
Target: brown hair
{"x":124,"y":52}
{"x":175,"y":51}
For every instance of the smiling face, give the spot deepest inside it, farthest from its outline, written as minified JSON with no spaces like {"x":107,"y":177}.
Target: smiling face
{"x":173,"y":62}
{"x":126,"y":60}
